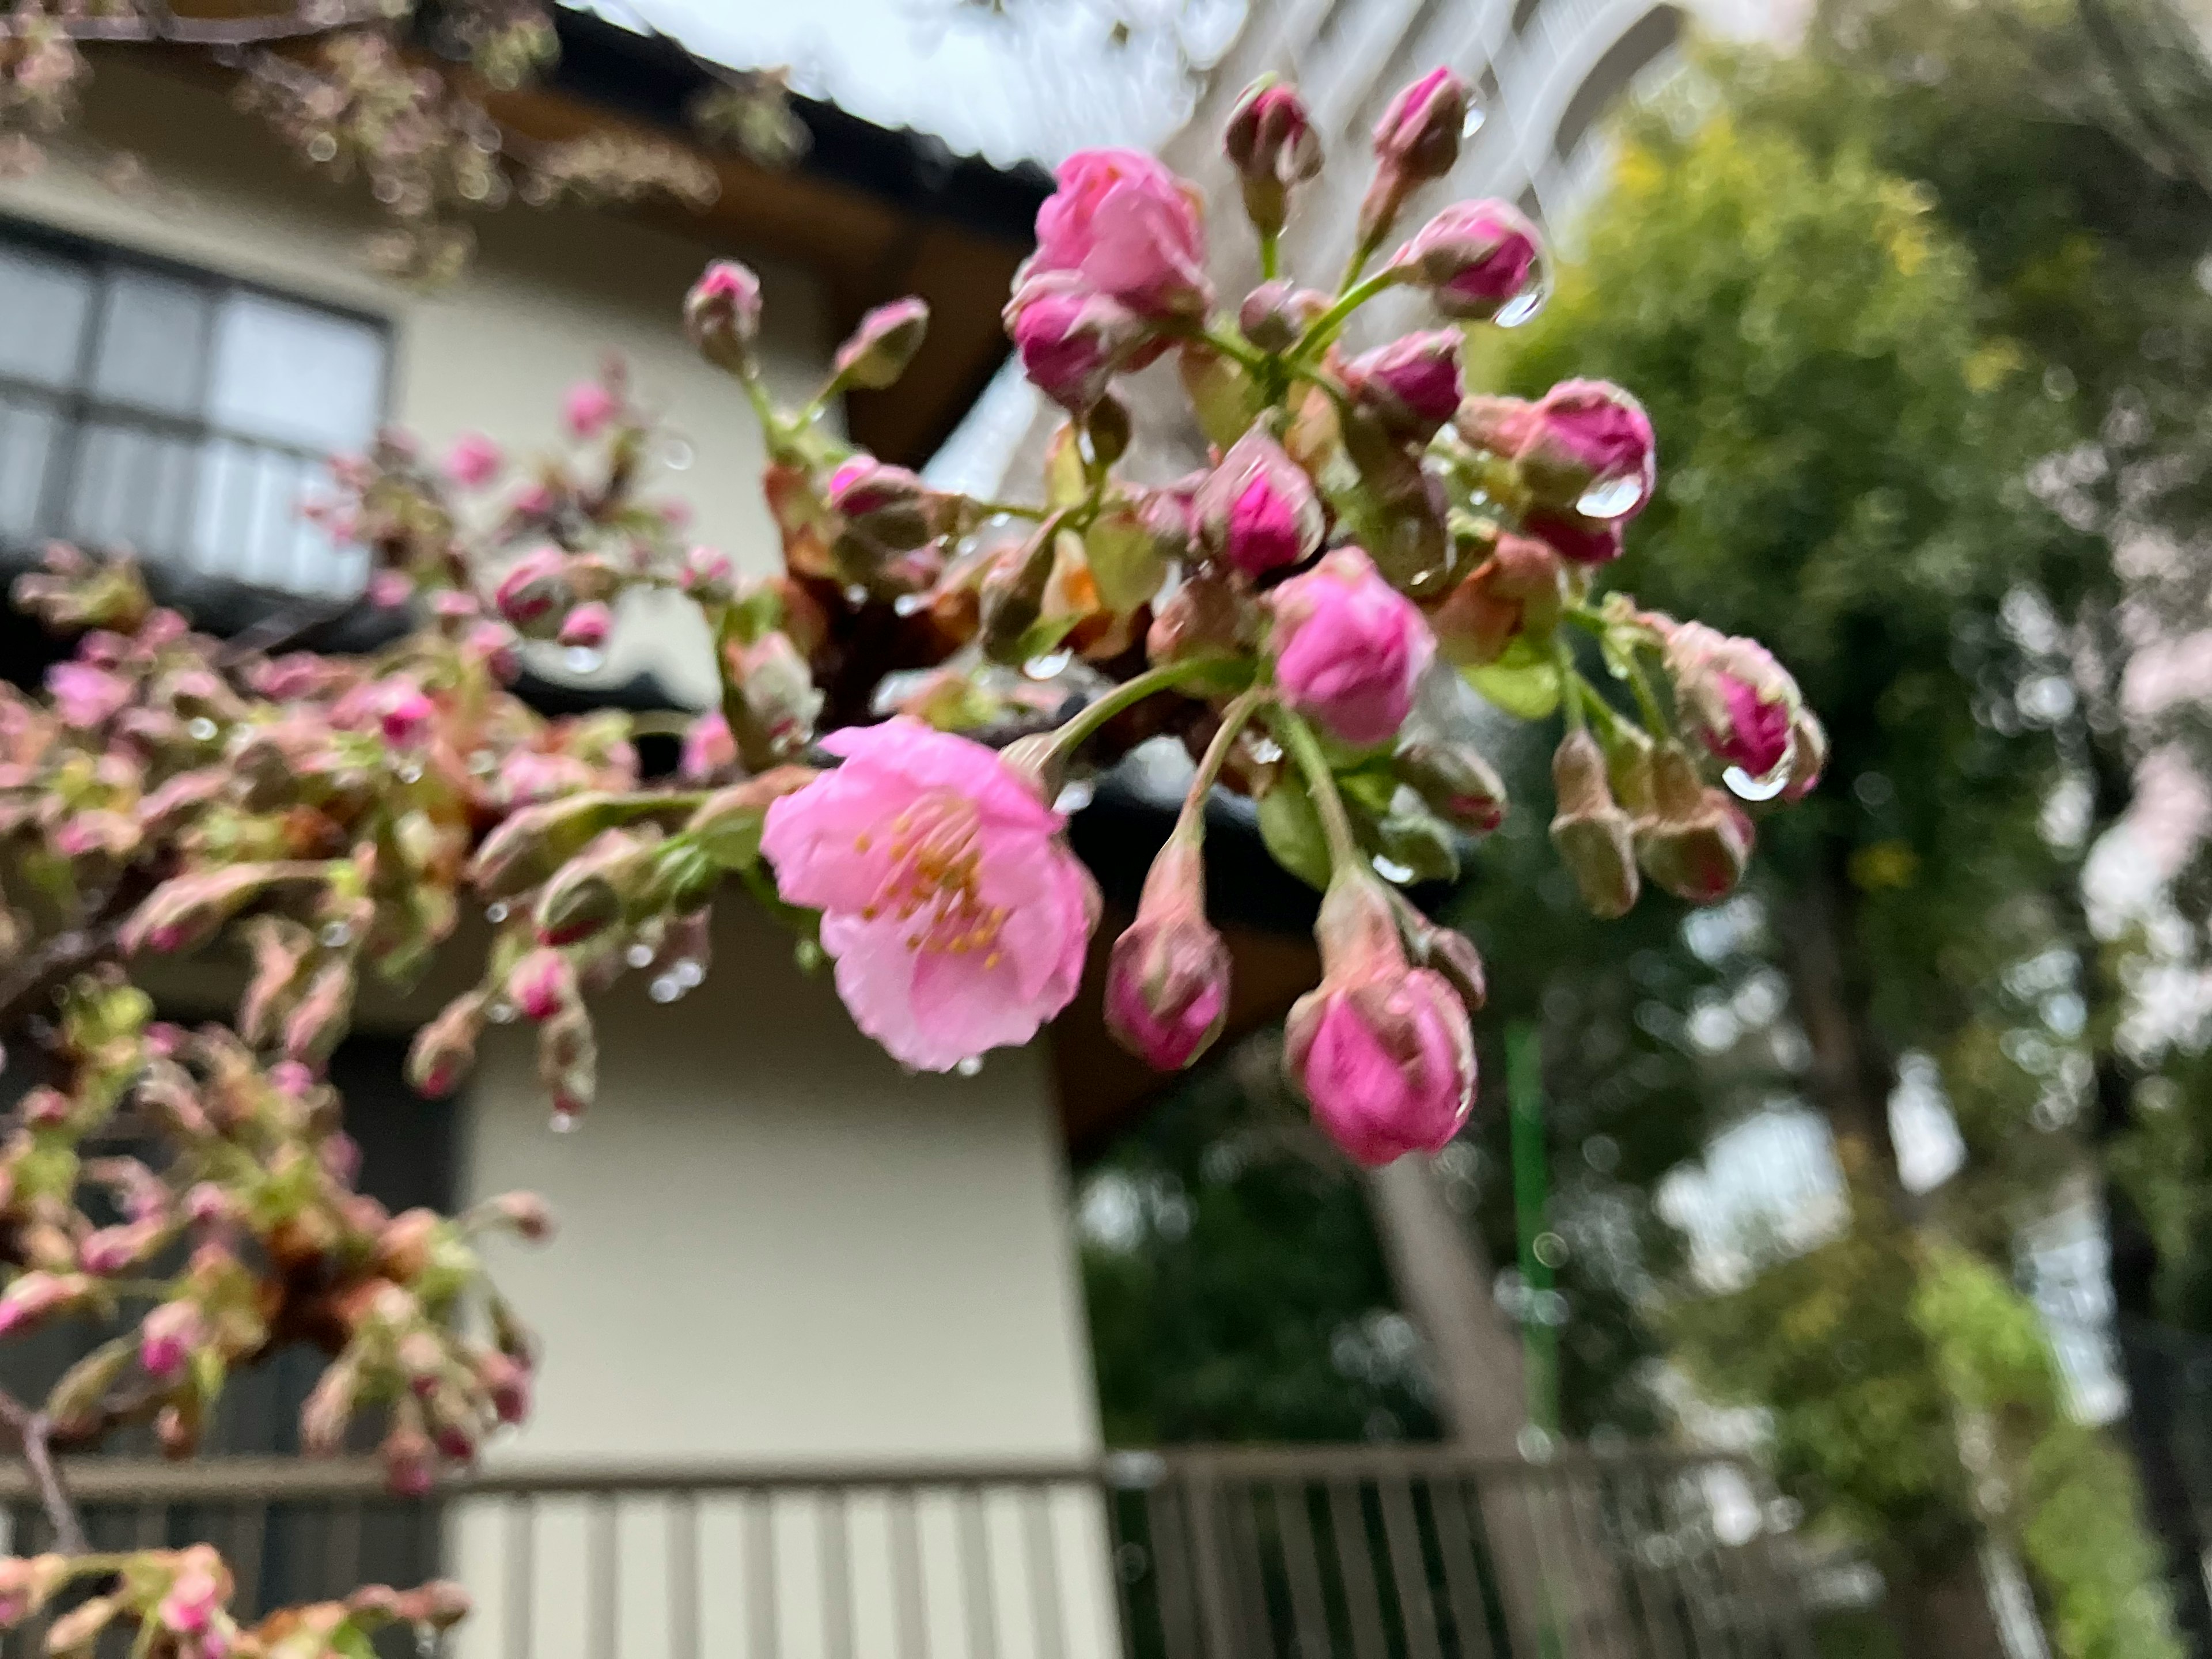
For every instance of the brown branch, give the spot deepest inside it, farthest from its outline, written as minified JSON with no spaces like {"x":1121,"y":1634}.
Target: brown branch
{"x":33,"y":1432}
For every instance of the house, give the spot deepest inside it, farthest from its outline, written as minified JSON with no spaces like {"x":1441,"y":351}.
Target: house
{"x":778,"y":1251}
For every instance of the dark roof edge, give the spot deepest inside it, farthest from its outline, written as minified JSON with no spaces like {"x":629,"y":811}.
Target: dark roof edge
{"x":651,"y":77}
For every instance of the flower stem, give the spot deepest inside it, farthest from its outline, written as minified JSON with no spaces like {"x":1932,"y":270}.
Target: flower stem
{"x":1298,"y":738}
{"x":1270,"y":257}
{"x":1011,"y":509}
{"x":1326,"y":326}
{"x":1233,"y":720}
{"x":1087,"y":720}
{"x":1571,"y":680}
{"x":1249,"y":356}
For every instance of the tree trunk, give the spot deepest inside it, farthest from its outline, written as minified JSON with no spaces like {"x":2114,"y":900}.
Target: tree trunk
{"x":1552,"y":1574}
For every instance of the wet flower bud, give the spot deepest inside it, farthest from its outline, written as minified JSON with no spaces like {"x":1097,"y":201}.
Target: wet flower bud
{"x":474,"y":460}
{"x":1520,"y":589}
{"x":567,"y":1061}
{"x":1417,"y":140}
{"x":313,"y":1029}
{"x":506,"y":1385}
{"x":168,"y":1336}
{"x":1585,"y":541}
{"x":31,"y":1296}
{"x":1808,"y":754}
{"x":1453,"y":782}
{"x":1205,"y":617}
{"x":1167,"y":985}
{"x":444,"y":1050}
{"x":1071,"y":339}
{"x":542,"y":983}
{"x":590,"y":891}
{"x":1594,"y":839}
{"x":1697,"y":841}
{"x":1382,"y":1050}
{"x":1274,"y":315}
{"x":1258,"y":511}
{"x":777,"y":702}
{"x":722,"y":315}
{"x":1740,"y":703}
{"x":1411,"y":387}
{"x":1271,"y":142}
{"x":588,"y":408}
{"x":534,"y":589}
{"x":882,"y":346}
{"x":1349,"y":648}
{"x":586,"y":626}
{"x":1589,"y":450}
{"x":191,"y":909}
{"x":884,"y":510}
{"x":1474,"y":259}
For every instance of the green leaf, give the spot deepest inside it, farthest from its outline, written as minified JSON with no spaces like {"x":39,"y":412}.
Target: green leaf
{"x":1064,"y":481}
{"x":1125,"y":560}
{"x":1524,"y":682}
{"x":1292,"y":829}
{"x":1222,"y":394}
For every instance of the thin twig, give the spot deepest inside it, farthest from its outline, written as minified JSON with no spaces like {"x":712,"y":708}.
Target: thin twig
{"x":33,"y":1432}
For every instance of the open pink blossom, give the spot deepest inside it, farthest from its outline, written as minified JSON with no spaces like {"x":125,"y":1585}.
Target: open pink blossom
{"x":1349,"y":649}
{"x":474,"y":460}
{"x":193,"y":1596}
{"x":588,"y":407}
{"x":86,"y":696}
{"x":1130,"y":229}
{"x":955,"y":911}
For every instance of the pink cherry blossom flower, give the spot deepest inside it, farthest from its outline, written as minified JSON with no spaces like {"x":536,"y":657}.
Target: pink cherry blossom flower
{"x":474,"y":460}
{"x":1419,"y":133}
{"x":193,"y":1597}
{"x":85,"y":696}
{"x":1130,"y":229}
{"x":1349,"y":649}
{"x":1743,"y":703}
{"x":955,"y":911}
{"x":586,"y":626}
{"x":587,"y":409}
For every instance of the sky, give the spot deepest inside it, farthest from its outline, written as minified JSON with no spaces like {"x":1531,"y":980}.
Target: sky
{"x":1031,"y":80}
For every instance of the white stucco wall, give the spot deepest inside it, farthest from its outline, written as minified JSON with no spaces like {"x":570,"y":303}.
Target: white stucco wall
{"x":773,"y":1243}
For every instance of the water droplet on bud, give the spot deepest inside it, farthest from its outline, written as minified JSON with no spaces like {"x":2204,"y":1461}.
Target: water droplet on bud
{"x":500,"y":1012}
{"x":687,"y":973}
{"x":1391,"y":871}
{"x":676,"y":455}
{"x":856,"y":595}
{"x":322,"y":148}
{"x":583,"y":658}
{"x":1476,"y":115}
{"x":1744,"y":787}
{"x":909,"y":604}
{"x":1524,"y":305}
{"x":1075,"y":796}
{"x":971,"y":1065}
{"x":201,"y":729}
{"x":496,"y":912}
{"x":1609,"y":498}
{"x":335,"y":934}
{"x":563,"y":1122}
{"x":665,"y":989}
{"x":1048,"y":667}
{"x":639,"y":955}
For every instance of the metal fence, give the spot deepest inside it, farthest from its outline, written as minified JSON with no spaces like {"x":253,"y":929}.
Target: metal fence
{"x":1363,"y":1552}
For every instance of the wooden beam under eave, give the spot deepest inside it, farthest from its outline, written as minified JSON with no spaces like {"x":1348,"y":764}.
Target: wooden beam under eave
{"x":965,"y":279}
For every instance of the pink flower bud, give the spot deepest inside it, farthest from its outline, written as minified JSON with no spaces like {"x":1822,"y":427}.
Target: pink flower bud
{"x":31,"y":1296}
{"x":883,"y":346}
{"x":1497,"y":425}
{"x":1419,"y":133}
{"x":1585,"y":541}
{"x":722,"y":315}
{"x":1590,"y":449}
{"x":1381,"y":1051}
{"x":541,"y":984}
{"x":1741,"y":703}
{"x":1129,"y":230}
{"x":1475,"y":257}
{"x":191,"y":908}
{"x":1519,"y":589}
{"x":328,"y":1409}
{"x":1258,"y":511}
{"x":1808,"y":754}
{"x":1071,"y":339}
{"x":208,"y":1205}
{"x":708,"y":747}
{"x":885,"y":510}
{"x":388,"y":590}
{"x":587,"y":409}
{"x":534,"y":587}
{"x":1275,"y":314}
{"x":1410,"y":385}
{"x":1697,"y":841}
{"x":1167,"y":987}
{"x":707,"y":572}
{"x":1271,"y":142}
{"x":1593,"y":838}
{"x":404,"y":715}
{"x":410,"y":1461}
{"x":586,"y":626}
{"x":193,"y":1597}
{"x":507,"y":1384}
{"x":474,"y":460}
{"x":86,"y":697}
{"x":492,"y":644}
{"x":168,"y":1336}
{"x":1349,"y":649}
{"x":1455,"y":782}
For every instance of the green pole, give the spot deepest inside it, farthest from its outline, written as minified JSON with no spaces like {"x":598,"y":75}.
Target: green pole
{"x":1524,"y":1096}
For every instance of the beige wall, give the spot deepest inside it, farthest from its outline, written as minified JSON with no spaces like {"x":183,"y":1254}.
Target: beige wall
{"x":774,"y":1241}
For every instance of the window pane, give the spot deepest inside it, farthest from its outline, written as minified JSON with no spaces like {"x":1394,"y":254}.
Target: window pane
{"x":27,"y":437}
{"x":43,"y":305}
{"x":247,"y":524}
{"x":133,"y":489}
{"x":153,"y":344}
{"x":296,"y":375}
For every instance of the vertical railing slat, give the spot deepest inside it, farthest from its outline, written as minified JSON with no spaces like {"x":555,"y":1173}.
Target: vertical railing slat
{"x":684,"y":1574}
{"x":1309,"y":1608}
{"x":910,"y":1611}
{"x":834,"y":1521}
{"x":521,"y":1526}
{"x":602,"y":1570}
{"x":975,"y":1563}
{"x":1347,"y":1515}
{"x":1042,"y":1548}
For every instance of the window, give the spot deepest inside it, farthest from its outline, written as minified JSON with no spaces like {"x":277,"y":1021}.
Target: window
{"x":179,"y":415}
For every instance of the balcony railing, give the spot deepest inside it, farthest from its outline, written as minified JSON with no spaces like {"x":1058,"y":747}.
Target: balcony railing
{"x":1364,"y":1551}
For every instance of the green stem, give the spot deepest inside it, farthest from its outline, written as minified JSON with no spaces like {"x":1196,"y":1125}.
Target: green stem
{"x":1233,"y":720}
{"x":1357,"y":263}
{"x":1270,"y":257}
{"x":1298,"y":738}
{"x":1011,"y":509}
{"x":1337,"y":394}
{"x":1571,"y":680}
{"x":1330,"y":322}
{"x":1087,"y":720}
{"x":1250,"y":356}
{"x":1647,"y":700}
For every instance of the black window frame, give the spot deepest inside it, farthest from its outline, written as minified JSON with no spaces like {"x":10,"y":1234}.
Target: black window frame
{"x":77,"y":408}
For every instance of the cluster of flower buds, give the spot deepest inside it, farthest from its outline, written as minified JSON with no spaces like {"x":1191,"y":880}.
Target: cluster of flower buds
{"x":176,"y":1602}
